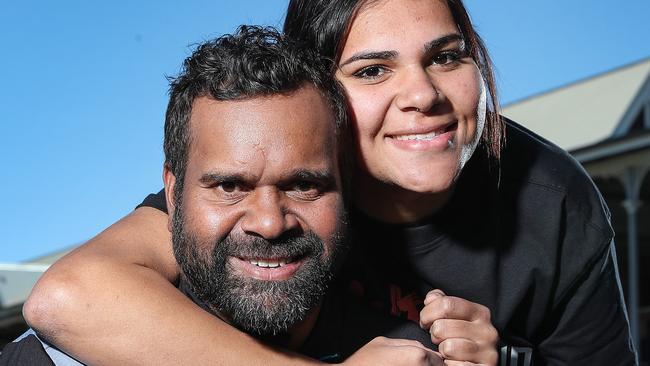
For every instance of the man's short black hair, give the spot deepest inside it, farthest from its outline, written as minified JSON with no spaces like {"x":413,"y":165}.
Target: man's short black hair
{"x":254,"y":61}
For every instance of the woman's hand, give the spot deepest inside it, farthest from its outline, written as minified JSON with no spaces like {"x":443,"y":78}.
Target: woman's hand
{"x":394,"y":352}
{"x":461,"y":329}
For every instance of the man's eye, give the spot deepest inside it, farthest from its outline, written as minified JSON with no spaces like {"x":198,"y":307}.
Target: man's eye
{"x":231,"y":189}
{"x":370,"y":72}
{"x":305,"y":190}
{"x":228,"y":187}
{"x":305,"y":186}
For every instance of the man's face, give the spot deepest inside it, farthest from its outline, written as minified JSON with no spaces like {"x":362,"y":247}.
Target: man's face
{"x":261,"y":213}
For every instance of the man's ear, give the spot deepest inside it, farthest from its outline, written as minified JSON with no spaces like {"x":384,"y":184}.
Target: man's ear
{"x":170,"y":182}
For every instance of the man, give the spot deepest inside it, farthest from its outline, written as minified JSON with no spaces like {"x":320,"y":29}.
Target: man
{"x":253,"y":184}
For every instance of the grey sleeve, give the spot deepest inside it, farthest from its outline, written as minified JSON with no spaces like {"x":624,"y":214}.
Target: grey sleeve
{"x":57,"y":357}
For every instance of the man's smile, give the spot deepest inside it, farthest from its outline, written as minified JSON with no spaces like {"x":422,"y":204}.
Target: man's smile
{"x":266,"y":269}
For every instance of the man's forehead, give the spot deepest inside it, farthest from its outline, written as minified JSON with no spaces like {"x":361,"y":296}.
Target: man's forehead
{"x":283,"y":131}
{"x":304,"y":109}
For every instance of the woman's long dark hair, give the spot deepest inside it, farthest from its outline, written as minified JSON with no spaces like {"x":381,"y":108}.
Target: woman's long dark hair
{"x":324,"y":25}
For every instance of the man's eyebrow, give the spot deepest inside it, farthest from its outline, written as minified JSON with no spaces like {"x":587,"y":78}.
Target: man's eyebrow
{"x":324,"y":177}
{"x":442,"y":41}
{"x":217,"y":177}
{"x":370,"y":55}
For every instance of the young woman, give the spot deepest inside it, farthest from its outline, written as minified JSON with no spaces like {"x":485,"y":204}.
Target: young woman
{"x":441,"y":201}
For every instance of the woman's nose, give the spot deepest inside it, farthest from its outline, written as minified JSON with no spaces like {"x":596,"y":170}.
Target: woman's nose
{"x":417,"y":91}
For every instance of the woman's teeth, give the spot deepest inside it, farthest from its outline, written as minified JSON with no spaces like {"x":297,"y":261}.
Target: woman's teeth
{"x":268,"y":264}
{"x":424,"y":136}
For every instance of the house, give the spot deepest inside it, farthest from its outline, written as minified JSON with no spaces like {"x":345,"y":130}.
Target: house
{"x":604,"y":122}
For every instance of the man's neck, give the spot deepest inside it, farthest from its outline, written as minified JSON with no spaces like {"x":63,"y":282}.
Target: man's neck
{"x":295,"y":337}
{"x":299,"y":332}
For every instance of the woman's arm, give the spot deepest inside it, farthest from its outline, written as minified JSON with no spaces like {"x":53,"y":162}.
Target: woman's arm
{"x":111,"y":301}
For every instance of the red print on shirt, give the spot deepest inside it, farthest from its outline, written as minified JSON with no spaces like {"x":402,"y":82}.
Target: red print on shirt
{"x":408,"y":306}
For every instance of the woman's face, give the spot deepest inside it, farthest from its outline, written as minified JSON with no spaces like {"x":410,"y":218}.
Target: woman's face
{"x":414,"y":93}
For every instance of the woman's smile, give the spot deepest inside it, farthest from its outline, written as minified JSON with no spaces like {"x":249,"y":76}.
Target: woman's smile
{"x":434,"y":138}
{"x":415,"y":94}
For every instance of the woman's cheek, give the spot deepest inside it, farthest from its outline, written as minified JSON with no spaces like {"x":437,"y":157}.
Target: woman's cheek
{"x":476,"y":114}
{"x":366,"y":113}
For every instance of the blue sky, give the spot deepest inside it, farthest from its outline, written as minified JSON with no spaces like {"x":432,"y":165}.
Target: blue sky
{"x":83,"y":92}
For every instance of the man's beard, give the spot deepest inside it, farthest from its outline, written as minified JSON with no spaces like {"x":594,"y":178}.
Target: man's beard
{"x":256,"y":306}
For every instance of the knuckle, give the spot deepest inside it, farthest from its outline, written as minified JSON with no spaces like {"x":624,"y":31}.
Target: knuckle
{"x":414,"y":343}
{"x":415,"y":355}
{"x":436,"y":293}
{"x":458,"y":348}
{"x":493,"y":336}
{"x":438,"y":329}
{"x":425,"y":315}
{"x":446,"y":348}
{"x":468,"y":347}
{"x":448,"y":304}
{"x":485,"y":313}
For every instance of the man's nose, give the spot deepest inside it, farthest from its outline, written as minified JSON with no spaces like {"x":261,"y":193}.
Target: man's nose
{"x":266,"y":215}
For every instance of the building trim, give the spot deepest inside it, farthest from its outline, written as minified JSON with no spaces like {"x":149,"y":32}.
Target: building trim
{"x":611,"y":148}
{"x":638,"y":105}
{"x":574,"y":83}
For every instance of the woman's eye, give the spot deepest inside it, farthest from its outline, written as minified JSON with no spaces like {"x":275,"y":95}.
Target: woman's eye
{"x":370,"y":72}
{"x":446,"y":58}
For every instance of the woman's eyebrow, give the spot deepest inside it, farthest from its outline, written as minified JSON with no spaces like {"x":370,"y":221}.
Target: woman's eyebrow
{"x":389,"y":55}
{"x":370,"y":55}
{"x":442,"y":41}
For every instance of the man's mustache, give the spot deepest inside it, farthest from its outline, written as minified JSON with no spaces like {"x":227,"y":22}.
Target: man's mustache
{"x":286,"y":247}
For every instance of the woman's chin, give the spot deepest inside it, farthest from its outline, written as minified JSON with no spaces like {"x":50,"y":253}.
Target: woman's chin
{"x":425,"y":182}
{"x":426,"y":188}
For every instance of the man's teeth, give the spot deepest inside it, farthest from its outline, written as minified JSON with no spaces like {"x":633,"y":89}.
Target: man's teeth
{"x":268,"y":264}
{"x":423,"y":136}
